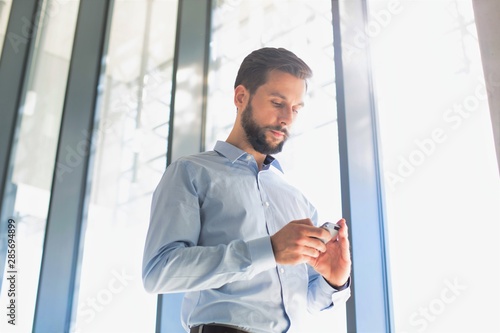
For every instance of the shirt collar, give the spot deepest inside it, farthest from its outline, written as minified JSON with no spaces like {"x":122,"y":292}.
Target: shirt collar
{"x":234,"y":153}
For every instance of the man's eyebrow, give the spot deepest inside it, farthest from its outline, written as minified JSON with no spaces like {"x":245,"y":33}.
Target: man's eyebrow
{"x":277,"y":94}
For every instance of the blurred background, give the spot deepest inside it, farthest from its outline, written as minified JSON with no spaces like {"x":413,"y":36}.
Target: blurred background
{"x":400,"y":135}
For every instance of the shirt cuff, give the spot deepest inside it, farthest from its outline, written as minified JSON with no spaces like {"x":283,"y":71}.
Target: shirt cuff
{"x":342,"y":294}
{"x":342,"y":287}
{"x":261,"y":252}
{"x":328,"y":289}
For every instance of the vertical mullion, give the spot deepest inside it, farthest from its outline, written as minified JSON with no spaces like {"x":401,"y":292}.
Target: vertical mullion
{"x":62,"y":238}
{"x":190,"y":78}
{"x":186,"y":137}
{"x":486,"y":14}
{"x":16,"y":53}
{"x":362,"y":194}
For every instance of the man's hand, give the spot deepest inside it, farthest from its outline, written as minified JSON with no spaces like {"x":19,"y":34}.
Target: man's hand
{"x":335,"y":263}
{"x":297,"y":242}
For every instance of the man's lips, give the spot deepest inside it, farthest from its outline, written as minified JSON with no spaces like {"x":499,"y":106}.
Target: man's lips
{"x":279,"y":133}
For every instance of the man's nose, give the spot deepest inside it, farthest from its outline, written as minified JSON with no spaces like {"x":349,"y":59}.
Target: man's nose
{"x":286,"y":115}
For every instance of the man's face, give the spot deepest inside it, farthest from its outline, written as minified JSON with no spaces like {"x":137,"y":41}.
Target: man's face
{"x":271,"y":110}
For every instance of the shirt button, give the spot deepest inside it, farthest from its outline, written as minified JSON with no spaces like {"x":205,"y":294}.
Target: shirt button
{"x":282,"y":270}
{"x":266,"y":204}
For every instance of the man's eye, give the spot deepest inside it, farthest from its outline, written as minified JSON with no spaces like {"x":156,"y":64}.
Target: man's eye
{"x":277,"y":104}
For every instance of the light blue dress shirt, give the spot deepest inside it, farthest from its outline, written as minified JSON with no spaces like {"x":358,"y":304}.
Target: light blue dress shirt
{"x":212,"y":217}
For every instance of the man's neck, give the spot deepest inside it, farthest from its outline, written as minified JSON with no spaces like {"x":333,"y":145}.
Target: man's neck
{"x":246,"y":147}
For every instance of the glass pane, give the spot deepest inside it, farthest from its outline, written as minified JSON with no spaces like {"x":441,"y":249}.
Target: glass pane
{"x":5,"y":6}
{"x":442,"y":187}
{"x":129,"y":159}
{"x":32,"y":161}
{"x":305,"y":28}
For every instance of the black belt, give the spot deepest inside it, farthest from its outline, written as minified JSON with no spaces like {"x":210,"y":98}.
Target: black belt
{"x":214,"y":328}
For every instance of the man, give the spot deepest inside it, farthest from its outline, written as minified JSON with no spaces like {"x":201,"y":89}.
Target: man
{"x":230,"y":232}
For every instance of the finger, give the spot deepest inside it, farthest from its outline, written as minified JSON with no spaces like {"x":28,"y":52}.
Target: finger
{"x":343,"y":232}
{"x":315,"y":243}
{"x":303,"y":221}
{"x":345,"y":247}
{"x":307,"y":229}
{"x":316,"y":232}
{"x":342,"y":223}
{"x":310,"y":252}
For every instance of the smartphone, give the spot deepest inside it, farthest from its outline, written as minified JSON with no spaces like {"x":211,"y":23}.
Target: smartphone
{"x":333,"y":228}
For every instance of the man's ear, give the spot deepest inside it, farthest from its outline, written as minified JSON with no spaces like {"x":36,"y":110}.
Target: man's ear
{"x":240,"y":97}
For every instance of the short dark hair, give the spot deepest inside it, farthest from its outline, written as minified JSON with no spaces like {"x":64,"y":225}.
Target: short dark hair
{"x":256,"y":66}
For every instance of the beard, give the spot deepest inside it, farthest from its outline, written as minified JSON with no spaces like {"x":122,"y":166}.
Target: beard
{"x":256,"y":135}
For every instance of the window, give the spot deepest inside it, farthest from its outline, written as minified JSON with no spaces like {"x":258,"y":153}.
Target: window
{"x":28,"y":188}
{"x":4,"y":19}
{"x":310,"y":156}
{"x":441,"y":183}
{"x":129,"y":159}
{"x":441,"y":178}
